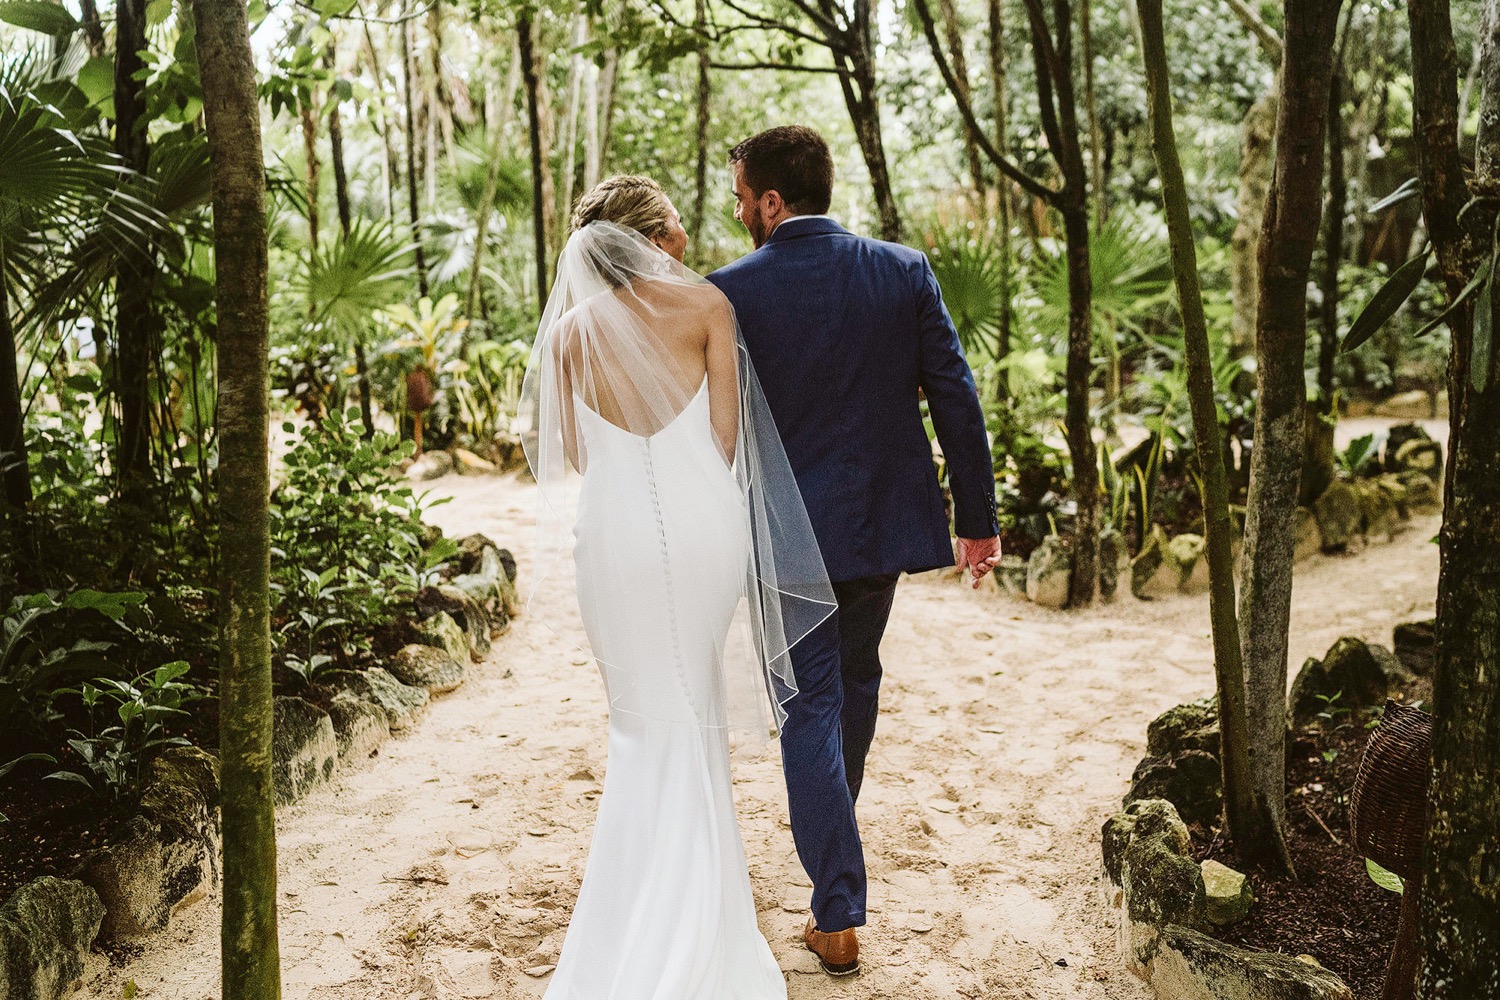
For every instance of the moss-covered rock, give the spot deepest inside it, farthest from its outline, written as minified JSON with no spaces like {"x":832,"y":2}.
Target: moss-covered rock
{"x":304,"y":751}
{"x":1416,"y":646}
{"x":1193,"y":726}
{"x":401,"y":702}
{"x":1309,"y":538}
{"x":1190,"y":780}
{"x":1186,"y":553}
{"x":1010,"y":575}
{"x":1049,"y":573}
{"x":441,"y":632}
{"x":1354,"y":674}
{"x":1192,"y":966}
{"x":1422,"y":494}
{"x":358,"y":726}
{"x":463,"y":608}
{"x":1339,"y":516}
{"x":426,"y":667}
{"x":1380,"y":520}
{"x":1425,"y":457}
{"x":1147,"y":858}
{"x":1395,"y":437}
{"x":46,"y":927}
{"x":1151,"y":575}
{"x":1114,"y":557}
{"x":1228,"y":894}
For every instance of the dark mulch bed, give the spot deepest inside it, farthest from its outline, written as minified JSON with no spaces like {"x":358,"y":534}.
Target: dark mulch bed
{"x":52,"y":826}
{"x":1331,"y":910}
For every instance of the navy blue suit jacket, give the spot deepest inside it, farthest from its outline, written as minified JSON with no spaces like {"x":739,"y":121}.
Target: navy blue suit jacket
{"x":842,"y":332}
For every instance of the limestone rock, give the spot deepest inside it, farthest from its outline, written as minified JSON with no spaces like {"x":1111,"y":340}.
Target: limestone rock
{"x":1146,"y":854}
{"x":1413,"y":405}
{"x":1339,"y":516}
{"x":1193,"y":726}
{"x":1416,"y":646}
{"x":1114,"y":556}
{"x":376,"y":685}
{"x":1395,"y":437}
{"x":464,"y":608}
{"x":442,"y":632}
{"x":1380,"y":520}
{"x":358,"y":726}
{"x":304,"y":751}
{"x":426,"y":667}
{"x":1309,"y":538}
{"x":471,"y":550}
{"x":1049,"y":573}
{"x":1360,"y":674}
{"x":1395,"y":491}
{"x":1422,"y":495}
{"x":1010,"y":575}
{"x":467,"y":463}
{"x":1228,"y":894}
{"x":1425,"y":457}
{"x":1190,"y":780}
{"x":181,"y":791}
{"x":431,"y":465}
{"x":1193,"y":966}
{"x":46,"y":927}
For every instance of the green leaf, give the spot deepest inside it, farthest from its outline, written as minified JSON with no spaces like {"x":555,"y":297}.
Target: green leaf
{"x":72,"y":776}
{"x":97,"y":79}
{"x":38,"y":15}
{"x":1383,"y":305}
{"x":1387,"y":880}
{"x":1409,"y":189}
{"x":23,"y":759}
{"x":1481,"y":277}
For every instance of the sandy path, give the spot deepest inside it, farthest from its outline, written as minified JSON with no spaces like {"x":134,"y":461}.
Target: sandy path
{"x":1008,"y":733}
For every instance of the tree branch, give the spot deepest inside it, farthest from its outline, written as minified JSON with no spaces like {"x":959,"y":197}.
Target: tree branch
{"x":1269,"y":40}
{"x":769,"y":24}
{"x":1045,"y":58}
{"x":771,"y":65}
{"x":1005,"y":165}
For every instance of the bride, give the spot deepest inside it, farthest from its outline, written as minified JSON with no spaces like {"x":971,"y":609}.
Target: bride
{"x":696,"y":572}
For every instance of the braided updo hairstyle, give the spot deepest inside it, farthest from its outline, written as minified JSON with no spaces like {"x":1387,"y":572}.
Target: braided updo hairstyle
{"x":626,"y":200}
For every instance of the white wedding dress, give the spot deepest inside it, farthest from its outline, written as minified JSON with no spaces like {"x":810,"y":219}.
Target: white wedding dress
{"x":696,"y":575}
{"x":662,"y":541}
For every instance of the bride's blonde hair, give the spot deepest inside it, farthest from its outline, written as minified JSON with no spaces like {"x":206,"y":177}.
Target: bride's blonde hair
{"x":626,"y":200}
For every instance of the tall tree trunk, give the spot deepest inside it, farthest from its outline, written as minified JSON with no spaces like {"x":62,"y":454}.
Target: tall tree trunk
{"x":1096,"y":144}
{"x":856,"y":62}
{"x":1229,"y":671}
{"x":1002,"y":191}
{"x":134,"y":277}
{"x":705,"y":95}
{"x":251,"y":966}
{"x":93,"y":28}
{"x":1293,"y":210}
{"x":538,"y":163}
{"x":14,"y":471}
{"x":1257,"y":146}
{"x":346,"y":219}
{"x":953,"y":29}
{"x":495,"y":129}
{"x":591,"y":137}
{"x":1333,"y":232}
{"x":389,"y":167}
{"x":1081,"y":448}
{"x":570,"y":124}
{"x":307,"y":113}
{"x":609,"y":94}
{"x":1459,"y":922}
{"x":411,"y":157}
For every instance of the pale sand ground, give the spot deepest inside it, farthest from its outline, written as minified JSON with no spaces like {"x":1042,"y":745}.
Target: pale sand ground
{"x":1008,"y":733}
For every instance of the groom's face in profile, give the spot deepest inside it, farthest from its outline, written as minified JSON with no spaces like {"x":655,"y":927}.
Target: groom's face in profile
{"x":750,"y":208}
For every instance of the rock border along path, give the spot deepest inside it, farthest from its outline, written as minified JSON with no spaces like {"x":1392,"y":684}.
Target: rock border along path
{"x":1008,"y":731}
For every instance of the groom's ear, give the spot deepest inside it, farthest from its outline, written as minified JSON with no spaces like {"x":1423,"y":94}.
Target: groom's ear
{"x":772,"y":202}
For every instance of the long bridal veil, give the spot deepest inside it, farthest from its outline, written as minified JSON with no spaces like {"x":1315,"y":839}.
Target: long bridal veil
{"x":600,"y":346}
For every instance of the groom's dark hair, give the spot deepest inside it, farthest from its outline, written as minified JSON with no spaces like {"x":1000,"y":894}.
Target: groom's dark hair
{"x":792,"y":160}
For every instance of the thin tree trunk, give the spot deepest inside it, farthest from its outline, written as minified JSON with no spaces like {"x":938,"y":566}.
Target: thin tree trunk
{"x":495,"y":128}
{"x":1257,"y":146}
{"x":953,"y":28}
{"x":705,"y":95}
{"x":93,"y":28}
{"x":609,"y":98}
{"x":538,"y":165}
{"x":570,"y":123}
{"x":1096,"y":145}
{"x":389,"y":167}
{"x":251,"y":967}
{"x":14,"y":470}
{"x":1459,"y":922}
{"x":858,"y":84}
{"x":1229,"y":672}
{"x":1333,"y":235}
{"x":1293,"y":210}
{"x":341,"y":196}
{"x":308,"y":115}
{"x":1002,"y":191}
{"x":135,"y":274}
{"x":591,"y":138}
{"x":411,"y":158}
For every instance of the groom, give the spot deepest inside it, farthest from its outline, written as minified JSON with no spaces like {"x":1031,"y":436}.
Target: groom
{"x":847,"y":335}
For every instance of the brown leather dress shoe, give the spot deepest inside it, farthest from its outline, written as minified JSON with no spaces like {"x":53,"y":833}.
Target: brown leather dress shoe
{"x":838,"y":953}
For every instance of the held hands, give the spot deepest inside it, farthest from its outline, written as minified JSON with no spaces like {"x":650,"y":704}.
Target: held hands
{"x":978,"y":556}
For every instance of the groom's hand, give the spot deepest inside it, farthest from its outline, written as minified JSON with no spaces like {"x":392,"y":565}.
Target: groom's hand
{"x":978,"y":556}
